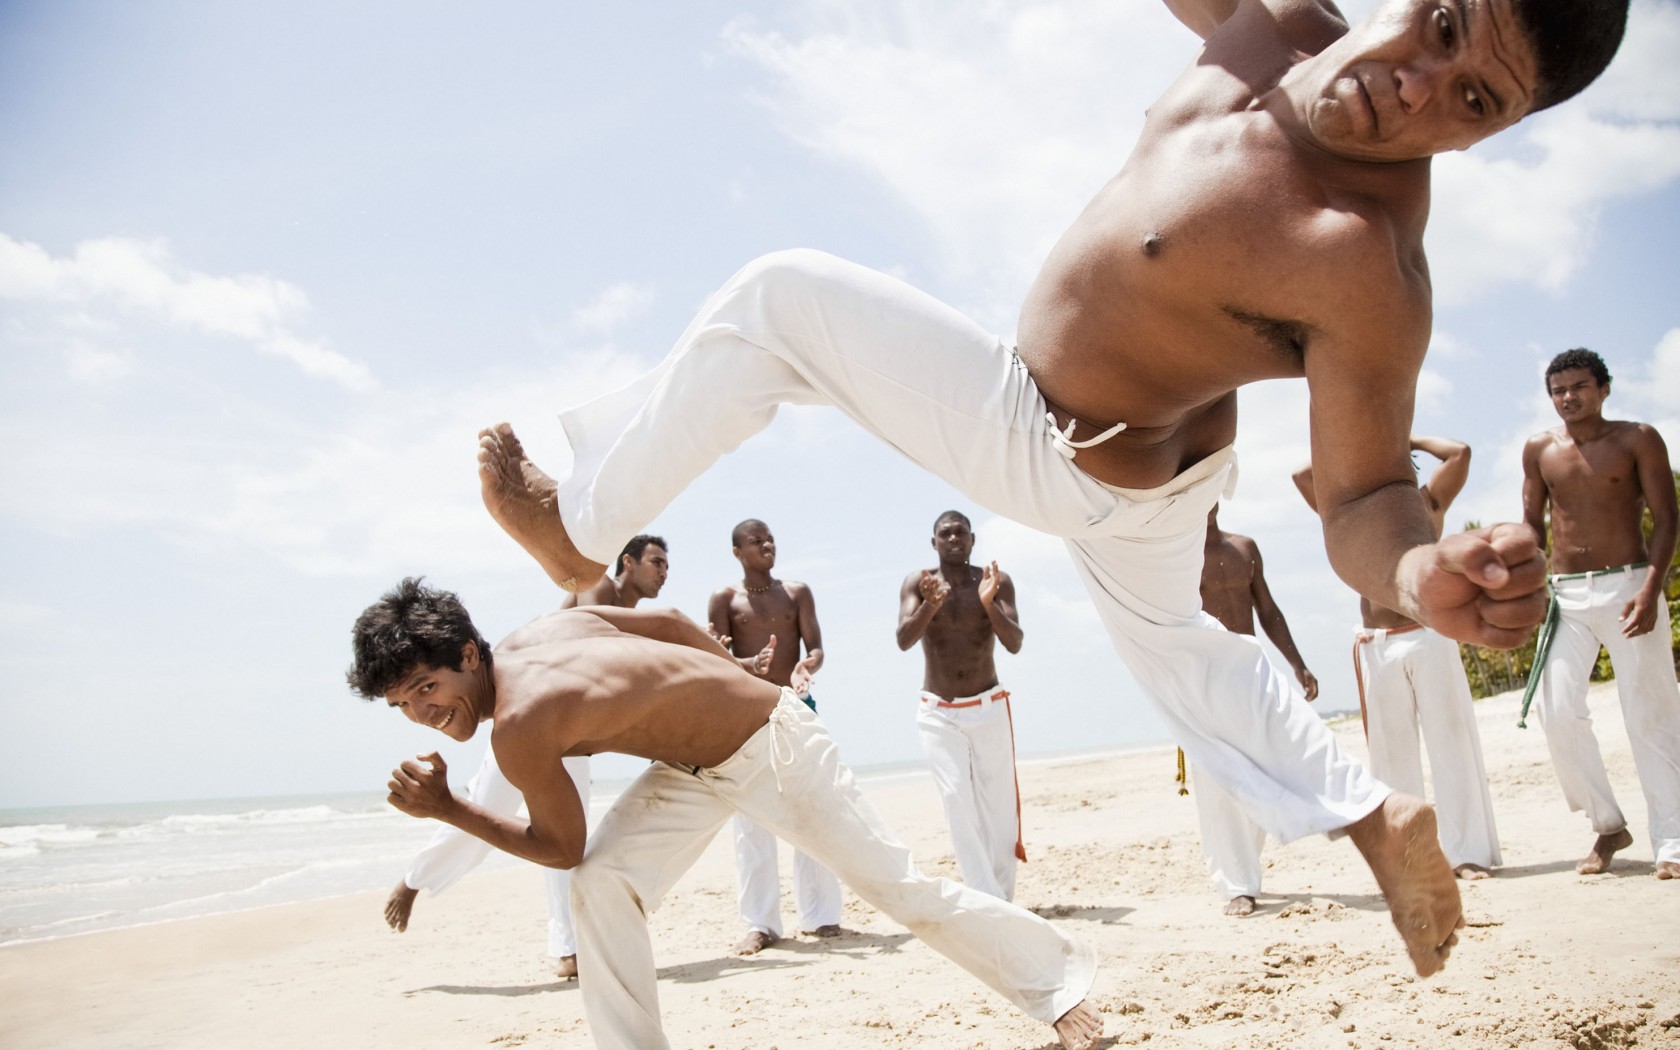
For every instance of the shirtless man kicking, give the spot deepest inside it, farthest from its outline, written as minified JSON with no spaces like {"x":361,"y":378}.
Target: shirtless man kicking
{"x":643,"y":565}
{"x":1598,"y":476}
{"x":1269,"y":223}
{"x":748,"y":619}
{"x":1234,"y":592}
{"x":656,"y":685}
{"x":1411,"y":682}
{"x":959,"y":613}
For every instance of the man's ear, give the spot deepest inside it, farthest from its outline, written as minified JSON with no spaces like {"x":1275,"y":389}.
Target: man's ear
{"x":469,"y":656}
{"x":624,"y":563}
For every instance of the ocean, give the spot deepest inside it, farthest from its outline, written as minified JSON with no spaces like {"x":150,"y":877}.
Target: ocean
{"x":77,"y":869}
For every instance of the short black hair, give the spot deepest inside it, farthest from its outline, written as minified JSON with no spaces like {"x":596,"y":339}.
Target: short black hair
{"x":409,"y":626}
{"x":952,"y":515}
{"x":1572,"y":40}
{"x":1580,"y":357}
{"x":740,"y":530}
{"x":639,"y":543}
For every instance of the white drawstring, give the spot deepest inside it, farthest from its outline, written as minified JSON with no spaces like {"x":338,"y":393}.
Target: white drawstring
{"x":1063,"y":438}
{"x":779,"y":717}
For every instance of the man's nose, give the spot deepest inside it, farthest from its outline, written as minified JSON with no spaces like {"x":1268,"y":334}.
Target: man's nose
{"x":1416,"y":81}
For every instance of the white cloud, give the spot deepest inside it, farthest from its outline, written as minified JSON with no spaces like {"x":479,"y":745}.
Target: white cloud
{"x":129,"y":277}
{"x":992,"y":127}
{"x":612,"y":307}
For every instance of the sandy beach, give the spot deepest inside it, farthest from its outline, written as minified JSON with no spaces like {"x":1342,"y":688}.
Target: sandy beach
{"x":1549,"y":958}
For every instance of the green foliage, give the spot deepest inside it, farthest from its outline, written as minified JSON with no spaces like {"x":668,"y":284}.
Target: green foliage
{"x":1494,"y":671}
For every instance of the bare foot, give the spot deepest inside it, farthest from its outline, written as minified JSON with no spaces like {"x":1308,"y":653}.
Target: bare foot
{"x":754,"y":942}
{"x":566,"y":968}
{"x":1240,"y":906}
{"x":1668,"y":869}
{"x":1398,"y":841}
{"x":1080,"y":1027}
{"x":522,"y":500}
{"x":1597,"y":861}
{"x":1472,"y":872}
{"x":830,"y":930}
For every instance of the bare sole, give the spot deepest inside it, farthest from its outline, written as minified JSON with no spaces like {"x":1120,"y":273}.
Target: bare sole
{"x":1398,"y":840}
{"x":523,"y":501}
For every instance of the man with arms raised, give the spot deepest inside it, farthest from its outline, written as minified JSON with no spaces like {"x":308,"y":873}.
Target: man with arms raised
{"x":1411,"y":680}
{"x":761,"y":615}
{"x":1269,"y":223}
{"x":722,"y":740}
{"x":958,"y":612}
{"x":1597,"y":476}
{"x":642,"y":568}
{"x":1234,"y":591}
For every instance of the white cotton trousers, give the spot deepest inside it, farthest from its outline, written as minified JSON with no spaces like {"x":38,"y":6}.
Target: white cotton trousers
{"x":1589,"y":610}
{"x":801,"y":327}
{"x":970,"y":747}
{"x":816,"y":890}
{"x":1413,"y":681}
{"x":788,"y":777}
{"x":1231,"y":842}
{"x":452,"y":853}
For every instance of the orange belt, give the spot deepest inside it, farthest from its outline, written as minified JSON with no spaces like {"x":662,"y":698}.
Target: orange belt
{"x":997,"y":696}
{"x":1359,"y":639}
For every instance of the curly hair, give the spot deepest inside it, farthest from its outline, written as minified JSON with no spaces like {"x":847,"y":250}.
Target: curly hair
{"x":1580,"y":357}
{"x":411,"y":625}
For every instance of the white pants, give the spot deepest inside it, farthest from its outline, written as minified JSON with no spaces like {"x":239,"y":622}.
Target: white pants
{"x":452,"y":853}
{"x":970,"y":746}
{"x":1412,"y":681}
{"x":1589,"y":609}
{"x":816,"y":890}
{"x":802,"y":327}
{"x":789,"y":778}
{"x":1230,"y":841}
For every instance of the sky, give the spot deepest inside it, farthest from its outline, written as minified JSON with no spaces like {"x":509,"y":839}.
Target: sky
{"x":266,"y":268}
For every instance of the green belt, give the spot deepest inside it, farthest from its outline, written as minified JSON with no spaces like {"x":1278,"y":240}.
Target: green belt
{"x":1548,"y":630}
{"x":1601,"y":572}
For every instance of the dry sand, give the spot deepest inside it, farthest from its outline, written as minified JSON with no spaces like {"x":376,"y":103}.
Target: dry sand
{"x":1549,"y":959}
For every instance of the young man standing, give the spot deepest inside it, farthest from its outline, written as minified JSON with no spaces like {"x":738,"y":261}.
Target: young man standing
{"x":959,"y":613}
{"x":1411,"y":681}
{"x":763,"y":614}
{"x":656,"y":685}
{"x":1597,"y":476}
{"x":1234,"y":592}
{"x":1268,"y":224}
{"x":642,"y":568}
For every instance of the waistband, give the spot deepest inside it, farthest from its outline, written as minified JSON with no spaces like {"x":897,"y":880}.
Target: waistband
{"x":1193,"y":475}
{"x":1372,"y":634}
{"x":1613,"y":570}
{"x":995,"y":695}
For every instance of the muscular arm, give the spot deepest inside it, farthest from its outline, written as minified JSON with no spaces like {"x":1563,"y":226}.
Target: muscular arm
{"x":1535,"y":493}
{"x":661,"y":625}
{"x":914,"y":611}
{"x":1202,"y":16}
{"x":1000,"y":607}
{"x":1483,"y":587}
{"x":1276,"y":627}
{"x":1448,"y":478}
{"x":1656,"y":482}
{"x":810,"y":632}
{"x":555,"y":833}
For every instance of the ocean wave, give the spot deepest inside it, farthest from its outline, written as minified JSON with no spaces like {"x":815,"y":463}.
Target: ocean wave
{"x":36,"y":835}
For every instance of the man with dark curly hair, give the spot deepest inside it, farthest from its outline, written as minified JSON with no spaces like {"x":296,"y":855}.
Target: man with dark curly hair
{"x":722,"y":740}
{"x":1268,"y":224}
{"x":1598,"y":477}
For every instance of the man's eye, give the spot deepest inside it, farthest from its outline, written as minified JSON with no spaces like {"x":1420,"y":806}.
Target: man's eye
{"x":1477,"y":106}
{"x":1445,"y":26}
